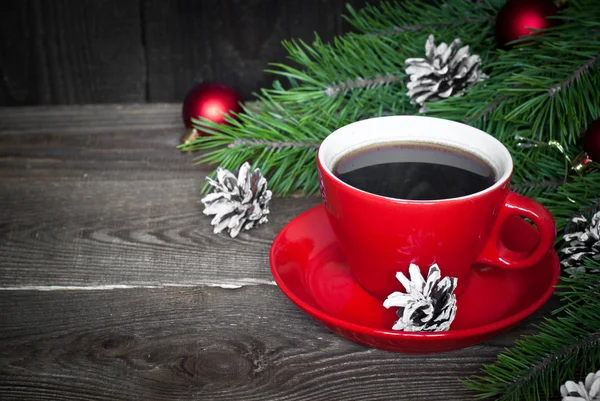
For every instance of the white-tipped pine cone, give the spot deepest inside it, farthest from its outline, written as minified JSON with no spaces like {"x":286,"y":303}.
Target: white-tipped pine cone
{"x":446,"y":71}
{"x":427,"y":305}
{"x":582,"y":244}
{"x":238,"y":203}
{"x":586,"y":391}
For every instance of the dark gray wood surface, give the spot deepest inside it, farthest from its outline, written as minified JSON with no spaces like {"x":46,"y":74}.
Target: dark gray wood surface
{"x":66,"y":51}
{"x":113,"y":287}
{"x":88,"y":51}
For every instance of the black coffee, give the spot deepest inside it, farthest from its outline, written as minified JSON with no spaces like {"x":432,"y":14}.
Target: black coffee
{"x":415,"y":172}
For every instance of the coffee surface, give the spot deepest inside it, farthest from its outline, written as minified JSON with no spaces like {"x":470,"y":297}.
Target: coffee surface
{"x":415,"y":172}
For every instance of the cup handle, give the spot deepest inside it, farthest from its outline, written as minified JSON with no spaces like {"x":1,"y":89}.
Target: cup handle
{"x":497,"y":254}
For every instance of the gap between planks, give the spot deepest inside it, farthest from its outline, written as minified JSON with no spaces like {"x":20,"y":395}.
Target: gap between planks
{"x":232,"y":285}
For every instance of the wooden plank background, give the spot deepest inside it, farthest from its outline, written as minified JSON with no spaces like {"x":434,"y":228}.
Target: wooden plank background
{"x":122,"y":51}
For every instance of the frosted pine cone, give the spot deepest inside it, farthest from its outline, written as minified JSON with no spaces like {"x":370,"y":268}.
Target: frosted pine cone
{"x":446,"y":71}
{"x":588,"y":391}
{"x":427,"y":305}
{"x":582,"y":244}
{"x":237,"y":203}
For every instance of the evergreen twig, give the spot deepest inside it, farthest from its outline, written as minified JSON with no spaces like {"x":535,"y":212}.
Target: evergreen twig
{"x":360,"y":83}
{"x":566,"y":347}
{"x":577,"y":73}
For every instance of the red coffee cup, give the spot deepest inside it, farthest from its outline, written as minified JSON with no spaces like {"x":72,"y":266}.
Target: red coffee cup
{"x":381,"y":236}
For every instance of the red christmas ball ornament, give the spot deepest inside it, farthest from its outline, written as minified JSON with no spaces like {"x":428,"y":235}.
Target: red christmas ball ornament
{"x":591,"y":141}
{"x":211,"y":100}
{"x":591,"y":149}
{"x":517,"y":18}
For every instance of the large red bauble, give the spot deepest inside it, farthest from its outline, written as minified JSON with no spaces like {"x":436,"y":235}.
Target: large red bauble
{"x":517,"y":18}
{"x":211,"y":100}
{"x":591,"y":141}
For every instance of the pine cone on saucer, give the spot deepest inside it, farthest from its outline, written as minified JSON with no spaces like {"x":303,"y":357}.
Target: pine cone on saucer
{"x":238,"y":203}
{"x":587,"y":391}
{"x":446,"y":71}
{"x":585,"y":243}
{"x":427,"y":305}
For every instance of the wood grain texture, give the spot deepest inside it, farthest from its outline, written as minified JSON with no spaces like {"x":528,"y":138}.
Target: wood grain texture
{"x":65,"y":52}
{"x":144,"y":227}
{"x":118,"y":207}
{"x":204,"y":343}
{"x":323,"y":18}
{"x":70,"y":51}
{"x":91,"y":119}
{"x":231,"y":41}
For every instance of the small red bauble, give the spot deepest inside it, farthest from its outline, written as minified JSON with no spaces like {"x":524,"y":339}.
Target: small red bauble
{"x":591,"y":141}
{"x":517,"y":17}
{"x":590,"y":156}
{"x":211,"y":100}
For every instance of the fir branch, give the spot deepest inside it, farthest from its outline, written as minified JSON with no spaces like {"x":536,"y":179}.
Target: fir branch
{"x":391,"y":18}
{"x":397,"y":30}
{"x":577,"y":73}
{"x":539,"y":173}
{"x":277,"y":139}
{"x":325,"y":93}
{"x":589,"y":340}
{"x":566,"y":346}
{"x":571,"y":199}
{"x":559,"y":114}
{"x":487,"y":111}
{"x":572,"y":293}
{"x":531,"y":186}
{"x":360,"y":83}
{"x":564,"y":56}
{"x":345,"y":74}
{"x":273,"y":145}
{"x":588,"y":211}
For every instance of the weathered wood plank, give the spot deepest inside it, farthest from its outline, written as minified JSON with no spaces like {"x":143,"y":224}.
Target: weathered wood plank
{"x":69,"y":52}
{"x":90,"y":119}
{"x":230,"y":41}
{"x":144,"y":229}
{"x":92,"y":141}
{"x":66,"y":52}
{"x":118,"y":207}
{"x":205,"y":343}
{"x":324,"y":18}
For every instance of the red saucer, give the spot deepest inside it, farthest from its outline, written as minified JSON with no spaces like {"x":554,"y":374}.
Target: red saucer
{"x":310,"y":269}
